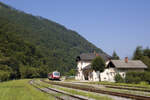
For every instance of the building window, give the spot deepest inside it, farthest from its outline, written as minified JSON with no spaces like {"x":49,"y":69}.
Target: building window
{"x":123,"y":75}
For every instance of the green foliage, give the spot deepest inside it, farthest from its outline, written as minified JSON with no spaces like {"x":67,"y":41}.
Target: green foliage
{"x":71,"y":72}
{"x":131,"y":79}
{"x":4,"y":75}
{"x":143,"y":83}
{"x":118,"y":78}
{"x":16,"y":52}
{"x":143,"y":55}
{"x":98,"y":64}
{"x":146,"y":61}
{"x":29,"y":72}
{"x":137,"y":77}
{"x":32,"y":46}
{"x":146,"y":52}
{"x":146,"y":77}
{"x":138,"y":53}
{"x":115,"y":56}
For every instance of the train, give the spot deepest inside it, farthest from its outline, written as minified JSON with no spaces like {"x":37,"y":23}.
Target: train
{"x":55,"y":75}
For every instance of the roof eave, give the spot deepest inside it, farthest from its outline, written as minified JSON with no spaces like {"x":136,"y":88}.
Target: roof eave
{"x":131,"y":67}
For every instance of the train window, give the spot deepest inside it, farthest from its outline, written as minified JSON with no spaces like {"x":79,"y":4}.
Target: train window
{"x":57,"y":74}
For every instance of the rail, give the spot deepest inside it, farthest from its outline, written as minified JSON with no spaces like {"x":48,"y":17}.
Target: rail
{"x":92,"y":89}
{"x":61,"y":92}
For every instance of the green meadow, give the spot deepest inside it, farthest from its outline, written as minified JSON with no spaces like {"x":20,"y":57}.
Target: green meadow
{"x":21,"y":90}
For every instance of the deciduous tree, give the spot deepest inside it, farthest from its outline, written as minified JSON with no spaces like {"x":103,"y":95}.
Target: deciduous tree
{"x":98,"y":64}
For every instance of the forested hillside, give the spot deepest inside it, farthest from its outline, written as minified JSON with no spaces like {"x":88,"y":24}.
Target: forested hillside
{"x":34,"y":43}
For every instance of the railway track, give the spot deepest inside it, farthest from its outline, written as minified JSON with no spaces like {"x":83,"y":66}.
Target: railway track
{"x":141,"y":87}
{"x":96,"y":90}
{"x":133,"y":88}
{"x":126,"y":88}
{"x":70,"y":96}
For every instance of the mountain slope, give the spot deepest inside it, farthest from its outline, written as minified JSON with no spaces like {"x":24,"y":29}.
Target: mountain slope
{"x":58,"y":45}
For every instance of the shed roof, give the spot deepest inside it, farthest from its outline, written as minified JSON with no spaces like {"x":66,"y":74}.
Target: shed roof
{"x":129,"y":64}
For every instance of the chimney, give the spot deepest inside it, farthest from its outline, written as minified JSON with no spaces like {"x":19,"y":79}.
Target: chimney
{"x":126,"y":59}
{"x":96,"y":54}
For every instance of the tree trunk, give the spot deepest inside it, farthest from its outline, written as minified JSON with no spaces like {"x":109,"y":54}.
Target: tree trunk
{"x":99,"y":76}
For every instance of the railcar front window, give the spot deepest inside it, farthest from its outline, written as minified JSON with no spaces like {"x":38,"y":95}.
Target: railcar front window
{"x":56,"y":74}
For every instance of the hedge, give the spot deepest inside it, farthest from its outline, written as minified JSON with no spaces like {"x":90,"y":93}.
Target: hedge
{"x":137,"y":77}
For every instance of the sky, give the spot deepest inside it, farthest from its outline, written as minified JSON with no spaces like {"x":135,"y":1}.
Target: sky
{"x":112,"y":25}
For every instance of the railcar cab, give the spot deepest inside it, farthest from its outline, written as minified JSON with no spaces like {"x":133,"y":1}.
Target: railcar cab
{"x":54,"y":75}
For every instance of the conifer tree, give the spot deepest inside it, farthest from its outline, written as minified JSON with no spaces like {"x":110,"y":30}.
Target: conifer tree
{"x":138,"y":53}
{"x":115,"y":56}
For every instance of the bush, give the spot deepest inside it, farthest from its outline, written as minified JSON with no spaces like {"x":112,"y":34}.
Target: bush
{"x":118,"y":78}
{"x":147,"y":77}
{"x":143,"y":83}
{"x":137,"y":77}
{"x":131,"y":79}
{"x":29,"y":72}
{"x":71,"y":72}
{"x":4,"y":75}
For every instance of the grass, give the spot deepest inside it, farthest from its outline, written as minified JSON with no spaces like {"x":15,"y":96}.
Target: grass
{"x":76,"y":92}
{"x":21,"y":90}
